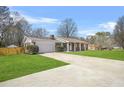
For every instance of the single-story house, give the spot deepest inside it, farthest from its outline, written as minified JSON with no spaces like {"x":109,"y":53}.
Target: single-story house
{"x":50,"y":44}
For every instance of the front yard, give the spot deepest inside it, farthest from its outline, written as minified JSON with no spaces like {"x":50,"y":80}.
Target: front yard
{"x":117,"y":54}
{"x":20,"y":65}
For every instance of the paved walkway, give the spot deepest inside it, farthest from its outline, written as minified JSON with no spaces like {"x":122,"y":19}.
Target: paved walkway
{"x":82,"y":71}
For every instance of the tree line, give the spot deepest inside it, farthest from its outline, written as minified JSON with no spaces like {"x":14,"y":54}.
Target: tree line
{"x":107,"y":39}
{"x":13,"y":28}
{"x":104,"y":40}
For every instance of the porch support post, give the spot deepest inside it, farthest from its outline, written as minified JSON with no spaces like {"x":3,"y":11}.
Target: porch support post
{"x":74,"y":46}
{"x":84,"y":47}
{"x":68,"y":47}
{"x":79,"y":46}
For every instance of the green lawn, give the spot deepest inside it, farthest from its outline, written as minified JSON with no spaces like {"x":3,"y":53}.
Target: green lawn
{"x":19,"y":65}
{"x":117,"y":55}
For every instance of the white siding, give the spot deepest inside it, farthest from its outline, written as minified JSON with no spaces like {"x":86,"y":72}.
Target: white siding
{"x":46,"y":46}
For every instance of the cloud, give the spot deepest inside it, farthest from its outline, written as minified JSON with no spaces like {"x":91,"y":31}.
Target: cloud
{"x":52,"y":30}
{"x":90,"y":34}
{"x":38,"y":20}
{"x":109,"y":26}
{"x":87,"y":32}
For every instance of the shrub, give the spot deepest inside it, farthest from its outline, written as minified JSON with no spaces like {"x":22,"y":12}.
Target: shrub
{"x":32,"y":49}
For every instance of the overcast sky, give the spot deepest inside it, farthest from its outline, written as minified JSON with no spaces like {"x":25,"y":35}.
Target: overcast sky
{"x":88,"y":19}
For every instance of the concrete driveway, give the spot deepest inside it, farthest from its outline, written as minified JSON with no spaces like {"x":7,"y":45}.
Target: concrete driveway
{"x":82,"y":71}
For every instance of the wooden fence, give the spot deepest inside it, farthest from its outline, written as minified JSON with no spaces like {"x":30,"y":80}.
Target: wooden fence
{"x":11,"y":51}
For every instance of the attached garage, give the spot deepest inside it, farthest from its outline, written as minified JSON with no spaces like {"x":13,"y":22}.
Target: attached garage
{"x":46,"y":46}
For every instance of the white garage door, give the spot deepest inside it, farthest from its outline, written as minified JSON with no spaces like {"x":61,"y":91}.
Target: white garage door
{"x":46,"y":46}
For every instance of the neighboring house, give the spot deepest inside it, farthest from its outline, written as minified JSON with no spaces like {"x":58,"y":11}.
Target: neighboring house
{"x":50,"y":44}
{"x":12,"y":46}
{"x":93,"y":47}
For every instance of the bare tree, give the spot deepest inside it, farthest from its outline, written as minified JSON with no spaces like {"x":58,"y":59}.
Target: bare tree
{"x":39,"y":33}
{"x":102,"y":39}
{"x":22,"y":28}
{"x":13,"y":27}
{"x":5,"y":21}
{"x":119,"y":32}
{"x":10,"y":36}
{"x":22,"y":23}
{"x":91,"y":39}
{"x":14,"y":34}
{"x":67,"y":28}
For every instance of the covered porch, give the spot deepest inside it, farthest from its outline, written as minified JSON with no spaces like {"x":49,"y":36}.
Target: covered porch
{"x":71,"y":46}
{"x":75,"y":46}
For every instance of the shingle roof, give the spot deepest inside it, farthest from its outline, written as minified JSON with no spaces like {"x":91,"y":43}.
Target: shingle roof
{"x":41,"y":39}
{"x":59,"y":39}
{"x":72,"y":40}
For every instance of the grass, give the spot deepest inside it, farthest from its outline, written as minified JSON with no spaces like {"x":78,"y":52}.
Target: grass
{"x":116,"y":55}
{"x":20,"y":65}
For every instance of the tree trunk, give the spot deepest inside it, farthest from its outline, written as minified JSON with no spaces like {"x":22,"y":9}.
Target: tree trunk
{"x":123,"y":47}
